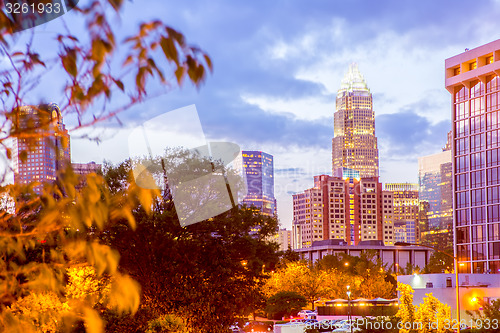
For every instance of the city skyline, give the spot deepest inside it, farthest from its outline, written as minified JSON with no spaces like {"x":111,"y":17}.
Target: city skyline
{"x":277,"y":69}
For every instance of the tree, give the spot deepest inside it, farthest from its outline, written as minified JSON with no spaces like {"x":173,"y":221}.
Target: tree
{"x":298,"y":277}
{"x":366,"y":275}
{"x":406,"y":311}
{"x":284,"y":304}
{"x":488,"y":316}
{"x":440,"y":263}
{"x":433,"y":315}
{"x":44,"y":234}
{"x":289,"y":256}
{"x":209,"y":271}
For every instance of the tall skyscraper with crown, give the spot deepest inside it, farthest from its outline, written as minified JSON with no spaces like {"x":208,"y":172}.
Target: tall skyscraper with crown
{"x":354,"y":144}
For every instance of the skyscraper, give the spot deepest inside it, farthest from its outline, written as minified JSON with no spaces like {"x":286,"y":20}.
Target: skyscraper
{"x":406,"y":210}
{"x":83,"y":169}
{"x":434,"y":180}
{"x":348,"y":209}
{"x":472,"y":78}
{"x":354,"y":144}
{"x":41,"y":144}
{"x":436,"y":198}
{"x":258,"y":173}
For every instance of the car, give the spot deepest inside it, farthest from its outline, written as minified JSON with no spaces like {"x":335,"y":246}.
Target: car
{"x":305,"y":313}
{"x":257,"y":326}
{"x":234,"y":329}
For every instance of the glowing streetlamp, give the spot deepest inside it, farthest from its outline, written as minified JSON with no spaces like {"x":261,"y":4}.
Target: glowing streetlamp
{"x":349,"y":317}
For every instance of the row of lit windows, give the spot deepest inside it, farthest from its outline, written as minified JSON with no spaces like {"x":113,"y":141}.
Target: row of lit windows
{"x":478,"y":88}
{"x":479,"y":251}
{"x":477,"y":106}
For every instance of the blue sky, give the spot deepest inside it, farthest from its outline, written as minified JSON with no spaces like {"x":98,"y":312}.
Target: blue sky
{"x":278,"y":65}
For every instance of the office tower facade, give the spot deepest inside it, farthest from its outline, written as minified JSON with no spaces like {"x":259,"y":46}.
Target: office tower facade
{"x":41,"y":144}
{"x":435,"y":175}
{"x":472,"y":78}
{"x":354,"y":144}
{"x":405,"y":200}
{"x":285,"y":239}
{"x":406,"y":211}
{"x":435,"y":188}
{"x":83,"y":169}
{"x":258,"y":173}
{"x":349,"y":209}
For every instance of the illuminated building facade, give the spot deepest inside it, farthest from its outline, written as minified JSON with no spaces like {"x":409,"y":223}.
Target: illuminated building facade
{"x":354,"y":144}
{"x":258,"y":173}
{"x":435,"y":175}
{"x":435,"y":188}
{"x":41,"y":144}
{"x":83,"y":169}
{"x":348,"y":209}
{"x":285,"y":239}
{"x":472,"y":78}
{"x":406,"y":211}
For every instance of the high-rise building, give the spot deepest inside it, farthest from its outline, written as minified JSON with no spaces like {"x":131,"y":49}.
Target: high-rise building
{"x":285,"y":239}
{"x":472,"y":78}
{"x":348,"y":209}
{"x":354,"y":144}
{"x":83,"y":169}
{"x":436,"y":198}
{"x":258,"y":174}
{"x":435,"y":188}
{"x":406,"y":211}
{"x":405,"y":200}
{"x":41,"y":144}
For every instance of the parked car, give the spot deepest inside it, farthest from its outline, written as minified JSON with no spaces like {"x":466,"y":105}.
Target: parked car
{"x":304,"y":313}
{"x":258,"y":326}
{"x":234,"y":329}
{"x":308,"y":314}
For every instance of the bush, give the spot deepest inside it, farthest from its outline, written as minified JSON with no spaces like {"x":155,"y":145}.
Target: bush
{"x":167,"y":323}
{"x":285,"y":303}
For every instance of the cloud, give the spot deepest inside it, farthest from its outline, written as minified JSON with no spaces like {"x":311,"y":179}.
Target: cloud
{"x":407,"y":135}
{"x":290,"y":170}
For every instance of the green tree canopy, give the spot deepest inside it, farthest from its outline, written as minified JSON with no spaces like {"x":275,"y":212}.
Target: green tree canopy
{"x":210,"y":272}
{"x":285,"y":303}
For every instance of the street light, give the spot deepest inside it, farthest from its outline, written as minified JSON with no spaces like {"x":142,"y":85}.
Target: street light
{"x":349,"y":317}
{"x":457,"y":286}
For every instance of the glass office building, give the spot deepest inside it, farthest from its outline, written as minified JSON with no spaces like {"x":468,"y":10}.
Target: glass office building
{"x":435,"y":188}
{"x":258,"y":173}
{"x":472,"y":78}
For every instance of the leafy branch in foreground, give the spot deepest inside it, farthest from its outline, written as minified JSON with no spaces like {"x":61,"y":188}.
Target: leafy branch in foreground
{"x":42,"y":235}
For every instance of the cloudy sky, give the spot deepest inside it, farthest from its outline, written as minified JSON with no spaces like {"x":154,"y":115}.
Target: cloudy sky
{"x":278,"y":65}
